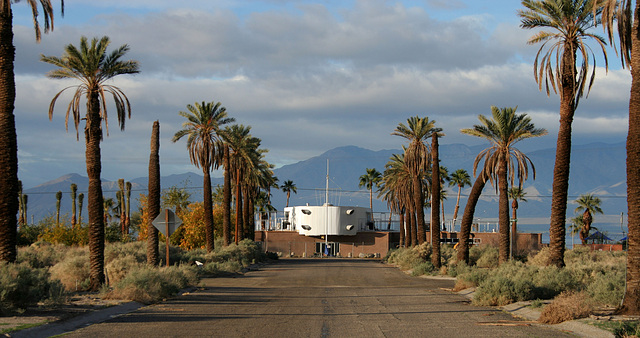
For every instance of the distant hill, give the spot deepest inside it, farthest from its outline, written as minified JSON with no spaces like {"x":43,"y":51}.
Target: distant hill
{"x":595,"y":168}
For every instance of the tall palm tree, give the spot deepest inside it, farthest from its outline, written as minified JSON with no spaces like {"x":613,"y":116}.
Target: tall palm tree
{"x":502,"y":161}
{"x":288,"y":187}
{"x":461,"y":179}
{"x":395,"y":190}
{"x":515,"y":194}
{"x":74,"y":193}
{"x":58,"y":200}
{"x":589,"y":205}
{"x":243,"y":156}
{"x":226,"y":195}
{"x":416,"y":157}
{"x":8,"y":136}
{"x":435,"y":198}
{"x":626,"y":14}
{"x":369,"y":180}
{"x":203,"y":125}
{"x":93,"y":67}
{"x":565,"y":25}
{"x":153,"y":198}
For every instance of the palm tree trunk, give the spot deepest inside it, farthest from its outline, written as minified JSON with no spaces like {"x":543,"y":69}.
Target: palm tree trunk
{"x":401,"y":227}
{"x":503,"y":212}
{"x":8,"y":140}
{"x":371,"y":197}
{"x":238,"y":207}
{"x":435,"y":202}
{"x":412,"y":226}
{"x":208,"y":209}
{"x":419,"y":208}
{"x":467,"y":218}
{"x":226,"y":199}
{"x":557,"y":229}
{"x":246,"y":224}
{"x":455,"y":211}
{"x":153,"y":199}
{"x":631,"y":303}
{"x":93,"y":135}
{"x":514,"y":227}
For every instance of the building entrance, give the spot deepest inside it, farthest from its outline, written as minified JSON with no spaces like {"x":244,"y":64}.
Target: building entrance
{"x":327,"y":249}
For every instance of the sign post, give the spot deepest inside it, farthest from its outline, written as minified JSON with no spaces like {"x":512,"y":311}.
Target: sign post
{"x":167,"y":225}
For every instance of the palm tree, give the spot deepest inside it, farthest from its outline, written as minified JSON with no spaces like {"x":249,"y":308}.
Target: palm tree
{"x":226,"y":196}
{"x":93,"y":67}
{"x":153,"y":198}
{"x":461,"y":179}
{"x":395,"y":190}
{"x":74,"y":191}
{"x":288,"y":187}
{"x":58,"y":200}
{"x":243,"y":156}
{"x":502,"y":161}
{"x":203,"y":125}
{"x":588,"y":204}
{"x":567,"y":23}
{"x":108,"y":205}
{"x":515,"y":194}
{"x":417,"y":154}
{"x":626,"y":13}
{"x":435,"y":198}
{"x":8,"y":136}
{"x":369,"y":180}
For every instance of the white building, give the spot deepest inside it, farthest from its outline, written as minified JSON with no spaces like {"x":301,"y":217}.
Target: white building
{"x":328,"y":220}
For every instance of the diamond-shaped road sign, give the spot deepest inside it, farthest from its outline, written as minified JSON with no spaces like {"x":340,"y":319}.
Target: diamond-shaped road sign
{"x":161,"y":222}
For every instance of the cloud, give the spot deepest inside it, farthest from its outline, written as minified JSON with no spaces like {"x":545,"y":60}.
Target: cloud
{"x":305,"y":75}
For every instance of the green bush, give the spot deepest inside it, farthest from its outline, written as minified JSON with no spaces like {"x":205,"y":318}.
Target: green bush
{"x":41,"y":254}
{"x":222,"y":268}
{"x":501,"y":290}
{"x":22,"y":286}
{"x":423,"y":268}
{"x":488,"y":257}
{"x":607,"y":289}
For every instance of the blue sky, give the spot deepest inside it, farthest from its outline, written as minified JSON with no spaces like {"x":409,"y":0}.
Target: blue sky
{"x":308,"y":76}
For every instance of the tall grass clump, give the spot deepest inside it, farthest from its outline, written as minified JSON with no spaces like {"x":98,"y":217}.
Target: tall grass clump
{"x":42,"y":254}
{"x":22,"y":286}
{"x":409,"y":258}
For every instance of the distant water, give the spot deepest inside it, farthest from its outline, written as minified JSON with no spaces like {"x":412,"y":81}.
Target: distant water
{"x":607,"y":224}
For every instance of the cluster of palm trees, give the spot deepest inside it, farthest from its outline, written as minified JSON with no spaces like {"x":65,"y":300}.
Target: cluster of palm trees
{"x":213,"y":143}
{"x":408,"y":182}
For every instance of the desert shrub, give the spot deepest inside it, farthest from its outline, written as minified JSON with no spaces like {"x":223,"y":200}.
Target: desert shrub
{"x":607,"y":289}
{"x":488,"y":257}
{"x":221,"y":268}
{"x":539,"y":258}
{"x":567,"y":306}
{"x":470,"y":277}
{"x":475,"y":252}
{"x":501,"y":290}
{"x":151,"y":284}
{"x":550,"y":281}
{"x":625,"y":328}
{"x":29,"y":233}
{"x":41,"y":254}
{"x":73,"y":270}
{"x":119,"y":267}
{"x":271,"y":255}
{"x":137,"y":250}
{"x":22,"y":286}
{"x":405,"y":258}
{"x":423,"y":268}
{"x":448,"y":255}
{"x":63,"y":232}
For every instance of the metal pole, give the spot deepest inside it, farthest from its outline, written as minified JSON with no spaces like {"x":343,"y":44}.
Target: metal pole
{"x":166,"y":223}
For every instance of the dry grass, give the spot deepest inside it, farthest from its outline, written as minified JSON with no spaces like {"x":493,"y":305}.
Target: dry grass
{"x":567,"y":306}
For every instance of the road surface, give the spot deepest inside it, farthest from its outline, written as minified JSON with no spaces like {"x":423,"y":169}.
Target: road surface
{"x":319,"y":298}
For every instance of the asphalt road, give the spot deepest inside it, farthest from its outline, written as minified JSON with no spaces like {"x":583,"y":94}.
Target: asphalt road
{"x":318,"y":298}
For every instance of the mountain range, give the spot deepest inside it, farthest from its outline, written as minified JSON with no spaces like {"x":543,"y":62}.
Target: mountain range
{"x":597,"y":168}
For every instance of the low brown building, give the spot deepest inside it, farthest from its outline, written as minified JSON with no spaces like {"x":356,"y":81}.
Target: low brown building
{"x":370,"y":243}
